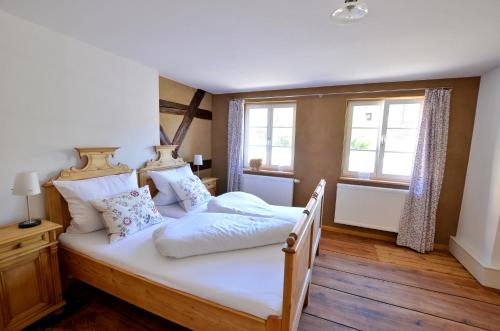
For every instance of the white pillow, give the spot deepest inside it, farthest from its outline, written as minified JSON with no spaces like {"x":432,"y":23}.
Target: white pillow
{"x":191,"y":191}
{"x":162,"y":180}
{"x":162,"y":199}
{"x":78,"y":194}
{"x":127,"y":213}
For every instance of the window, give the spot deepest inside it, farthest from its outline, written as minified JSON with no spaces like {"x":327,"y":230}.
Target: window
{"x":381,"y":138}
{"x":270,"y":135}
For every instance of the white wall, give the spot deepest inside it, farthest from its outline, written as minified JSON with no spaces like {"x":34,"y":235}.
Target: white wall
{"x":57,"y":93}
{"x":478,"y":230}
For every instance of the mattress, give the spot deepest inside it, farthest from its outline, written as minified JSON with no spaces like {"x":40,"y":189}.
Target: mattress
{"x":177,"y":211}
{"x":248,"y":280}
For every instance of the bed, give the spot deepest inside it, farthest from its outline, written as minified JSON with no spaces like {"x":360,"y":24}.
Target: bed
{"x":215,"y":303}
{"x":166,"y":161}
{"x":229,"y":278}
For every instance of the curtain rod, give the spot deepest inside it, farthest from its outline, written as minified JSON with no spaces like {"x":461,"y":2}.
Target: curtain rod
{"x":319,"y":95}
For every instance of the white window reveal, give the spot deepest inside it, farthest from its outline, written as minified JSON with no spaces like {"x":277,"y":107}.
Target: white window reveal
{"x":270,"y":135}
{"x":381,"y":138}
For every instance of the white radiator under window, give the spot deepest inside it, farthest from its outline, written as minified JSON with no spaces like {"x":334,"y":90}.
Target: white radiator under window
{"x":369,"y":207}
{"x":273,"y":190}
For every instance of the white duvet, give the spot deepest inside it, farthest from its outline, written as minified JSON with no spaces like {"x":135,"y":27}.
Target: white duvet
{"x":206,"y":233}
{"x":250,"y":205}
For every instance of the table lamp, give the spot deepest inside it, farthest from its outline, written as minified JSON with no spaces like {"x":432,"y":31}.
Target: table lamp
{"x":27,"y":184}
{"x":198,"y":161}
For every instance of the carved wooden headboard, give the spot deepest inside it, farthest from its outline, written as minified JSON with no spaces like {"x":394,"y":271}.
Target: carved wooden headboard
{"x":98,"y":165}
{"x":165,"y":161}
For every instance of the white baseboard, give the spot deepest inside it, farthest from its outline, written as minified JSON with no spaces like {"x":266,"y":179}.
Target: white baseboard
{"x":366,"y":225}
{"x":485,"y":274}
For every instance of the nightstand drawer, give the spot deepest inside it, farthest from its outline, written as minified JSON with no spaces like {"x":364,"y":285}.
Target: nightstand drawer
{"x":20,"y":246}
{"x":211,"y":184}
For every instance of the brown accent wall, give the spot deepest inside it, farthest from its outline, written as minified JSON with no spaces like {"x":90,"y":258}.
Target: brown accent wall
{"x":320,"y":133}
{"x":199,"y":135}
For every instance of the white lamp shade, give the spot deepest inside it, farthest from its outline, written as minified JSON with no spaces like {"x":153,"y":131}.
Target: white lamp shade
{"x":198,"y":159}
{"x":26,"y":184}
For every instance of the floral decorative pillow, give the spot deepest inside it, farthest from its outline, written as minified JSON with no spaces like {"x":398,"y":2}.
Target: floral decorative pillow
{"x":191,"y":191}
{"x":128,"y":213}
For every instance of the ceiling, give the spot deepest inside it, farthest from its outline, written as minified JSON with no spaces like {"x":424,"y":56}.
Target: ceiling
{"x":236,"y":45}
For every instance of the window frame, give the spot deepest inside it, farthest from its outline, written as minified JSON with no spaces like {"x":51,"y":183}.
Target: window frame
{"x":269,"y":138}
{"x":385,"y":103}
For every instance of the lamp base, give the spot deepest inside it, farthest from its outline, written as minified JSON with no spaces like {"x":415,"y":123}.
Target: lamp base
{"x":29,"y":223}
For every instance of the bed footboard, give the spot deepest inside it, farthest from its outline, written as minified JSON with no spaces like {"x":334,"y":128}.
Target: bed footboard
{"x":300,"y":251}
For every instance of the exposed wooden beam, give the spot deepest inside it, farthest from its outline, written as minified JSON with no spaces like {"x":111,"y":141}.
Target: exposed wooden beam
{"x":164,"y":140}
{"x":175,"y":108}
{"x":172,"y":105}
{"x":188,"y":118}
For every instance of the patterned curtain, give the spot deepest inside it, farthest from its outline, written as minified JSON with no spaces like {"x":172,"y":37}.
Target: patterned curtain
{"x":235,"y":144}
{"x":418,"y":221}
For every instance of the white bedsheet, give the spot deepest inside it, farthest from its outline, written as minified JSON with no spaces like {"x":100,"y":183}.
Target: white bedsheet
{"x":249,"y":280}
{"x":207,"y":233}
{"x":176,"y":211}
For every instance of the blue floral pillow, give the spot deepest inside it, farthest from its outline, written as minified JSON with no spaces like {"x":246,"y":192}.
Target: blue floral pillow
{"x":128,"y":213}
{"x":191,"y":191}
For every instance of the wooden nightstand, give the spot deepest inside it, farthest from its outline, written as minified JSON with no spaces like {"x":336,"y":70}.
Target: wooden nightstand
{"x":210,"y":184}
{"x":30,"y":285}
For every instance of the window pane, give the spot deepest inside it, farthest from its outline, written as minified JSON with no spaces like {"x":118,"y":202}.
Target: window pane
{"x":257,"y":152}
{"x":400,"y":164}
{"x":283,"y":117}
{"x":366,"y":116}
{"x":364,"y":139}
{"x":281,"y":156}
{"x":282,"y":137}
{"x":361,"y":161}
{"x":257,"y":117}
{"x":401,"y":140}
{"x":404,"y":115}
{"x":257,"y":136}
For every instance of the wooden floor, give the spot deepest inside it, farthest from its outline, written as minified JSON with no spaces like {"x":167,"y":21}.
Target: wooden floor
{"x":358,"y":284}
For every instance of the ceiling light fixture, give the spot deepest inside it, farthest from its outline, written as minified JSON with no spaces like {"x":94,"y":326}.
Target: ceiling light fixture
{"x":352,"y":11}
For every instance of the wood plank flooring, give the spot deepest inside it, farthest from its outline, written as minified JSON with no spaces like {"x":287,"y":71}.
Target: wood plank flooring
{"x":358,"y":284}
{"x":368,"y":284}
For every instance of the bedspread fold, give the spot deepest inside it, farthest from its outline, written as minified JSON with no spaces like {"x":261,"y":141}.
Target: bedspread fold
{"x":250,"y":205}
{"x":206,"y":233}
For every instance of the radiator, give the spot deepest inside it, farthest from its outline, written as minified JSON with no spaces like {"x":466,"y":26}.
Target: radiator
{"x":369,"y":207}
{"x":273,"y":190}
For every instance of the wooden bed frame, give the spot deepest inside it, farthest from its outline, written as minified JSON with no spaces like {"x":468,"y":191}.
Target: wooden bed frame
{"x":177,"y":306}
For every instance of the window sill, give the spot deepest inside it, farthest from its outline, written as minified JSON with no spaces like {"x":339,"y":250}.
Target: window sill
{"x":374,"y":182}
{"x":272,"y":173}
